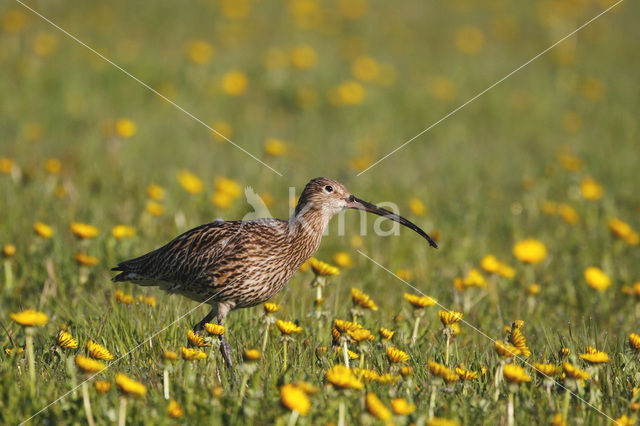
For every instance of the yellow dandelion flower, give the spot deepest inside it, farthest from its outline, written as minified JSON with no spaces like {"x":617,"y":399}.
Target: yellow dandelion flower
{"x":126,"y":128}
{"x":30,"y":318}
{"x":573,"y":372}
{"x":350,"y":353}
{"x":89,"y":365}
{"x":271,"y":307}
{"x":440,"y":421}
{"x":322,"y":268}
{"x":84,"y":230}
{"x":196,"y":339}
{"x":377,"y":407}
{"x":533,"y":289}
{"x":155,"y":192}
{"x":402,"y":407}
{"x":404,"y":274}
{"x":342,"y":377}
{"x":174,"y":410}
{"x":519,"y":341}
{"x":417,"y":207}
{"x":66,"y":340}
{"x":347,"y":93}
{"x":469,"y":40}
{"x":443,"y":372}
{"x":123,"y":231}
{"x":386,"y":334}
{"x":251,"y":354}
{"x":130,"y":386}
{"x":42,"y":230}
{"x":275,"y":147}
{"x":288,"y":327}
{"x":623,"y":231}
{"x":295,"y":399}
{"x":530,"y":251}
{"x":121,"y":297}
{"x":568,"y":214}
{"x":223,"y":131}
{"x":362,"y":299}
{"x":222,"y":200}
{"x":227,"y":186}
{"x":443,"y":88}
{"x":564,"y":352}
{"x":234,"y":83}
{"x":365,"y":68}
{"x":342,"y":259}
{"x":98,"y":351}
{"x":304,"y":57}
{"x":515,"y":374}
{"x":154,"y":209}
{"x":215,"y":329}
{"x":406,"y":370}
{"x":13,"y":21}
{"x":505,"y":349}
{"x":360,"y":334}
{"x":170,"y":355}
{"x":84,"y":259}
{"x":190,"y":182}
{"x":634,"y":341}
{"x":596,"y":279}
{"x":192,"y":354}
{"x":44,"y":44}
{"x":465,"y":374}
{"x":53,"y":166}
{"x":590,"y":189}
{"x":396,"y":355}
{"x":366,"y":375}
{"x":18,"y":350}
{"x":102,"y":386}
{"x":9,"y":250}
{"x":449,"y":317}
{"x":419,"y":302}
{"x":624,"y":420}
{"x":594,"y":356}
{"x":344,"y":326}
{"x":150,"y":301}
{"x":548,"y":370}
{"x":199,"y":52}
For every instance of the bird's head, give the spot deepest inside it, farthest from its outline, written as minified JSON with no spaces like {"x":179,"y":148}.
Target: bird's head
{"x":326,"y":197}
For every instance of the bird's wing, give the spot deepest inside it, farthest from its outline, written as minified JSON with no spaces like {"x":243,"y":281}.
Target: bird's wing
{"x":188,"y":258}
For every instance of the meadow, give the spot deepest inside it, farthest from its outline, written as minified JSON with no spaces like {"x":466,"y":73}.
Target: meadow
{"x":528,"y":312}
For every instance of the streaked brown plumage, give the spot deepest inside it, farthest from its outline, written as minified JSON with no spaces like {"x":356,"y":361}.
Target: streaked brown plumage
{"x":238,"y":264}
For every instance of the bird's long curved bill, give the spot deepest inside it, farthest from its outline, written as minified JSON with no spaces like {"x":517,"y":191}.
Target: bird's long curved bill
{"x":356,"y":203}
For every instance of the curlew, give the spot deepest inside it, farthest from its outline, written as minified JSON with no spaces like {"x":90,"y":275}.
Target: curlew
{"x":238,"y":264}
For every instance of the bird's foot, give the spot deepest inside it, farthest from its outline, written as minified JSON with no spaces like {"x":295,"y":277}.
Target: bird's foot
{"x":225,"y":349}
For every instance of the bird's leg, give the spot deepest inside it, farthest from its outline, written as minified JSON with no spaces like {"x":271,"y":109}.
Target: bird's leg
{"x":225,"y":348}
{"x":200,"y":326}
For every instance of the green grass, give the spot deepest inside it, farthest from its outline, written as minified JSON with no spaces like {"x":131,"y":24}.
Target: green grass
{"x":468,"y":171}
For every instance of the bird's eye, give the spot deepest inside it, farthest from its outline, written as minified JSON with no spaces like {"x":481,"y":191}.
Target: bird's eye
{"x":328,"y":188}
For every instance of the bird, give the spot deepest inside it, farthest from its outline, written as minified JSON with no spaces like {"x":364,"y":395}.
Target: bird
{"x":241,"y":263}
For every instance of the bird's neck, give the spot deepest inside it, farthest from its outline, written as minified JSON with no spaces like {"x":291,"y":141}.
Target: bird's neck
{"x":307,"y":227}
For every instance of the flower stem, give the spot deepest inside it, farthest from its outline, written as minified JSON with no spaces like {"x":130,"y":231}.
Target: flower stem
{"x":243,"y":385}
{"x":265,"y":338}
{"x":346,"y":353}
{"x":341,"y":419}
{"x":87,"y":403}
{"x":284,"y":367}
{"x":8,"y":275}
{"x":510,"y":421}
{"x":31,"y":360}
{"x":293,"y":418}
{"x":496,"y":381}
{"x":122,"y":412}
{"x":565,"y":404}
{"x":414,"y":335}
{"x":432,"y":400}
{"x":446,"y":356}
{"x":165,"y":375}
